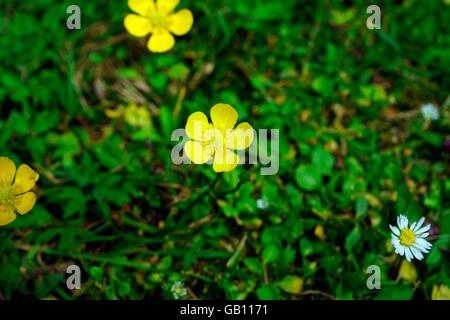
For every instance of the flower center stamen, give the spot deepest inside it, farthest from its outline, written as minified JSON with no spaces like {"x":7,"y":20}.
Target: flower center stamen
{"x":6,"y":195}
{"x":407,"y":237}
{"x":159,"y":20}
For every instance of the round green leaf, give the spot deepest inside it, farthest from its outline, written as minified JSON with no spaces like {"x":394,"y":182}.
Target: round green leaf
{"x":323,"y":160}
{"x":308,"y":177}
{"x":270,"y":253}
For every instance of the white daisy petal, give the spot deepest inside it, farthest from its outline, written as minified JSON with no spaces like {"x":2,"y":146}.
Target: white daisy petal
{"x":416,"y":253}
{"x":424,"y":229}
{"x":395,"y":230}
{"x":412,"y":226}
{"x":423,"y":243}
{"x":419,"y":224}
{"x":421,"y":249}
{"x":405,"y":222}
{"x":400,"y":223}
{"x":423,"y":235}
{"x":395,"y":242}
{"x":401,"y":250}
{"x":408,"y":254}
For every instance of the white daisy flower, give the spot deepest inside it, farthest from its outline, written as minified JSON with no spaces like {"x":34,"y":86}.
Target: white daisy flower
{"x":409,"y":241}
{"x":178,"y":290}
{"x":262,"y":203}
{"x":430,"y":111}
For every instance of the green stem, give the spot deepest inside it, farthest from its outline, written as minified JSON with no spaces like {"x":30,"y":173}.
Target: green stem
{"x":205,"y":190}
{"x":232,"y":190}
{"x":215,"y":181}
{"x":244,"y":177}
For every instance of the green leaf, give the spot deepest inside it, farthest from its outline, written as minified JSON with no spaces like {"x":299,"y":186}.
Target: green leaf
{"x":166,"y":118}
{"x":158,"y":81}
{"x":291,"y":284}
{"x":323,"y":85}
{"x":268,"y":292}
{"x":374,"y":92}
{"x":323,"y":160}
{"x":306,"y":247}
{"x":353,"y":238}
{"x":341,"y":17}
{"x":178,"y":72}
{"x":123,"y":288}
{"x":434,"y":258}
{"x":395,"y":293}
{"x":254,"y":265}
{"x":445,"y":222}
{"x":361,"y":206}
{"x":308,"y":177}
{"x":96,"y":273}
{"x":270,"y":253}
{"x":433,"y":138}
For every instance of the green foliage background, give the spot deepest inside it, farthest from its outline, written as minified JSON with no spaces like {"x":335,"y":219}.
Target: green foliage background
{"x":355,"y":150}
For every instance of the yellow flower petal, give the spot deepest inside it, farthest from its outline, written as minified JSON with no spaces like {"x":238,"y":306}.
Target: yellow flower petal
{"x":24,"y":202}
{"x":166,"y":6}
{"x":137,"y":26}
{"x":196,"y":126}
{"x":6,"y":215}
{"x":161,"y":41}
{"x":114,"y":113}
{"x":25,"y":179}
{"x":143,"y":7}
{"x":223,"y":116}
{"x":7,"y":171}
{"x":137,"y":116}
{"x":241,"y":137}
{"x":181,"y":22}
{"x":198,"y":152}
{"x":225,"y":160}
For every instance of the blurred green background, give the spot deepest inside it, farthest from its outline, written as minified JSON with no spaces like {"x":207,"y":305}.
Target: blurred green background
{"x":355,"y":150}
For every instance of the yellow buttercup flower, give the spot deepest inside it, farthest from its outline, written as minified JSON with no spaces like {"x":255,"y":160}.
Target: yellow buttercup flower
{"x":218,"y":139}
{"x":160,"y":20}
{"x":136,"y":116}
{"x":17,"y":196}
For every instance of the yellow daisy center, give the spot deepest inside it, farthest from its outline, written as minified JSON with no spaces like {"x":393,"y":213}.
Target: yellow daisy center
{"x":407,"y":237}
